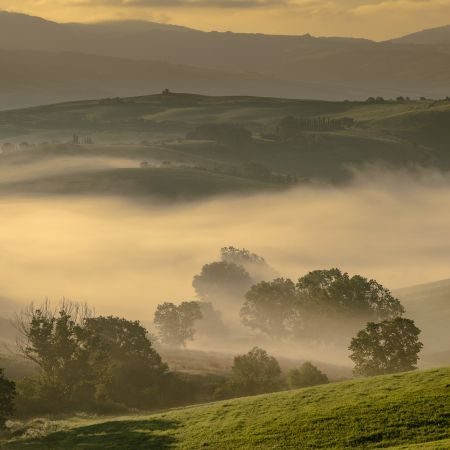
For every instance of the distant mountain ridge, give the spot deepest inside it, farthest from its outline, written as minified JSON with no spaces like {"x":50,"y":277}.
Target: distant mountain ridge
{"x":433,"y":36}
{"x":292,"y":66}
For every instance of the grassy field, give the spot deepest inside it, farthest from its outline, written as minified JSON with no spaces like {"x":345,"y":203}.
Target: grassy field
{"x":403,"y":411}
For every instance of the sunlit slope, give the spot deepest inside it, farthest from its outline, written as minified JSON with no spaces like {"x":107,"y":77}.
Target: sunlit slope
{"x":410,"y":410}
{"x":429,"y":305}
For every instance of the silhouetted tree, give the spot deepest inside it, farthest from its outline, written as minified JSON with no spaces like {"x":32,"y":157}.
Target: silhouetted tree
{"x":220,"y":280}
{"x":333,"y":303}
{"x":122,"y":361}
{"x":325,"y":305}
{"x":49,"y":338}
{"x":7,"y":395}
{"x":307,"y":375}
{"x":271,"y":307}
{"x":254,"y":264}
{"x":87,"y":362}
{"x":387,"y":347}
{"x":176,"y":323}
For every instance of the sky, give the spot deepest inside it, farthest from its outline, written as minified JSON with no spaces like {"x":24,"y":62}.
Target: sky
{"x":374,"y":19}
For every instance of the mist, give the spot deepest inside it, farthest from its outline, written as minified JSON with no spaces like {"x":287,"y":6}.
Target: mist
{"x":124,"y":257}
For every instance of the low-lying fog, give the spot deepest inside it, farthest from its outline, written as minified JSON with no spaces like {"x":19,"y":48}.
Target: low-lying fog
{"x":10,"y":173}
{"x":124,"y":258}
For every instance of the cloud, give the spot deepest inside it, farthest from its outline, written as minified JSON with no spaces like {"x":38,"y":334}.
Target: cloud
{"x":401,"y":6}
{"x":373,"y":19}
{"x":226,"y":4}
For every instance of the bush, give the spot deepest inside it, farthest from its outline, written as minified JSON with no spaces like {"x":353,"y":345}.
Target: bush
{"x":253,"y":373}
{"x":7,"y":394}
{"x":307,"y":375}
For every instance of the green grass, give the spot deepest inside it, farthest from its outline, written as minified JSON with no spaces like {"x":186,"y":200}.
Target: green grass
{"x":410,"y":410}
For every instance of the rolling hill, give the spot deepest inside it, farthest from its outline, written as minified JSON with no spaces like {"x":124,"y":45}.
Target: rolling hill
{"x":409,"y":410}
{"x":429,"y":305}
{"x":255,"y":64}
{"x":39,"y":155}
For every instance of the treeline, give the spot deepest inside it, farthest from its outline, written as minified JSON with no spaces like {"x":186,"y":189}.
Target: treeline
{"x":290,"y":127}
{"x":224,"y":133}
{"x":105,"y":365}
{"x":328,"y":308}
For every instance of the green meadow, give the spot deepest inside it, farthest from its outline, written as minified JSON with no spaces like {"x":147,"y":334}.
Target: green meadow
{"x":403,"y":411}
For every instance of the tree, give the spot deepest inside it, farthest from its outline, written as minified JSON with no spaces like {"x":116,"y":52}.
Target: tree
{"x":332,"y":303}
{"x":124,"y":363}
{"x":7,"y":394}
{"x":255,"y":373}
{"x":48,"y":338}
{"x":271,"y":307}
{"x":386,"y":347}
{"x":254,"y":264}
{"x":87,"y":362}
{"x":307,"y":375}
{"x":222,"y":280}
{"x":176,"y":323}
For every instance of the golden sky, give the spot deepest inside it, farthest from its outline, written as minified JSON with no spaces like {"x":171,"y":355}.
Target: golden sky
{"x":375,"y":19}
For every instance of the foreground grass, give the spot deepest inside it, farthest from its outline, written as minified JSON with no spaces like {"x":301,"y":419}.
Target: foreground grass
{"x":404,"y":411}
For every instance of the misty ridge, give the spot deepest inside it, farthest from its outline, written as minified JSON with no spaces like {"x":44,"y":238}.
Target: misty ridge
{"x":81,"y":61}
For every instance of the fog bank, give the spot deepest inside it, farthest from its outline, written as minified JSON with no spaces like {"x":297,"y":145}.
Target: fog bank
{"x":124,"y":257}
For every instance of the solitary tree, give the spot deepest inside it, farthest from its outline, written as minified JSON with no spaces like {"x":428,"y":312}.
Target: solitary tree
{"x":7,"y":394}
{"x":307,"y":375}
{"x":255,"y":373}
{"x":386,"y":347}
{"x":176,"y":323}
{"x":271,"y":307}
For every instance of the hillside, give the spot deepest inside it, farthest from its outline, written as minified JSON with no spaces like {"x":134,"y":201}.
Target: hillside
{"x":429,"y":305}
{"x":409,"y":410}
{"x":34,"y":77}
{"x":115,"y":136}
{"x":433,"y":36}
{"x":255,"y":64}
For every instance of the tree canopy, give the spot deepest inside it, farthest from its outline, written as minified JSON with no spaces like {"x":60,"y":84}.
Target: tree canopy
{"x":256,"y":265}
{"x":271,"y":307}
{"x":222,"y":280}
{"x":386,"y":347}
{"x":175,"y":323}
{"x":326,"y":305}
{"x":92,"y":360}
